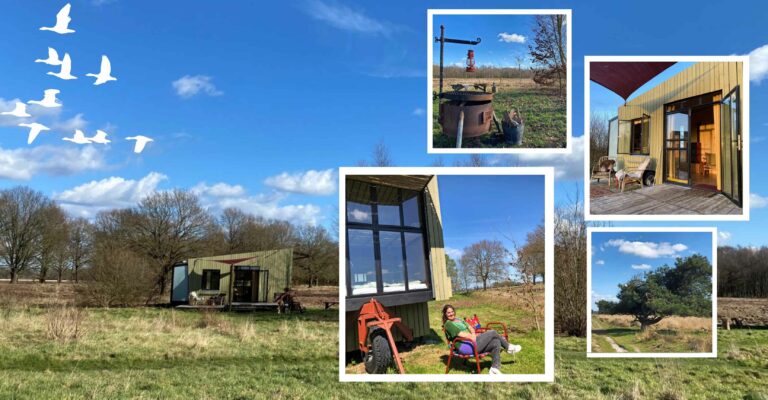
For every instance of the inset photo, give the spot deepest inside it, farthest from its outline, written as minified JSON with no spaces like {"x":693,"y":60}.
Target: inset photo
{"x":499,"y":81}
{"x":652,"y":292}
{"x":447,"y":274}
{"x":667,"y":138}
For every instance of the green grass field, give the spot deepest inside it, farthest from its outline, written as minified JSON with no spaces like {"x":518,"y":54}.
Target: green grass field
{"x":671,"y":335}
{"x":544,"y":113}
{"x":161,"y":353}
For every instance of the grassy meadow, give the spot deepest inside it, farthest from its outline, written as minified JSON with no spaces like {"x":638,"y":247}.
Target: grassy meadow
{"x":543,"y":111}
{"x":152,"y":353}
{"x":671,"y":335}
{"x":504,"y":305}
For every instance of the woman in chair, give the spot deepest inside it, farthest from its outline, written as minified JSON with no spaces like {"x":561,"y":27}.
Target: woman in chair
{"x":489,"y":341}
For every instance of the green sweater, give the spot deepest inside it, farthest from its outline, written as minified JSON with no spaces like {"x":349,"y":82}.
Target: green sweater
{"x":454,"y":327}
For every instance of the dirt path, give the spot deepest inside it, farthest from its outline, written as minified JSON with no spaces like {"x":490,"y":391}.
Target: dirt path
{"x":615,"y":345}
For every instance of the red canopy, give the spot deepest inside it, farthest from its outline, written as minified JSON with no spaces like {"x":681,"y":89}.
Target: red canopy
{"x":623,"y":78}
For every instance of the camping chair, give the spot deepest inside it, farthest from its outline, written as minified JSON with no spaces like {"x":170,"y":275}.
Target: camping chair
{"x":635,"y":175}
{"x":453,"y":345}
{"x":603,"y":169}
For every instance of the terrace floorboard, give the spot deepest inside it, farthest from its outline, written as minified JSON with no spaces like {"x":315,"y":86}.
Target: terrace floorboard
{"x":660,"y":200}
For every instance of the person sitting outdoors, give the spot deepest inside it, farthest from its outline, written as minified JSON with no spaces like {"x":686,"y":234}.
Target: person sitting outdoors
{"x":487,"y":342}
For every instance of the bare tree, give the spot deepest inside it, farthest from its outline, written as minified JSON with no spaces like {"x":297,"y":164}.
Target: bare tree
{"x":381,"y":156}
{"x":571,"y":268}
{"x":487,"y":260}
{"x":52,"y":247}
{"x":168,"y":227}
{"x":318,"y":253}
{"x":80,"y":244}
{"x":530,"y":257}
{"x":598,"y":137}
{"x":549,"y":50}
{"x":22,"y":218}
{"x":234,"y":222}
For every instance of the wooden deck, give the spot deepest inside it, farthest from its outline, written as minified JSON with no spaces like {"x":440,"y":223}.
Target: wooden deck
{"x":660,"y":200}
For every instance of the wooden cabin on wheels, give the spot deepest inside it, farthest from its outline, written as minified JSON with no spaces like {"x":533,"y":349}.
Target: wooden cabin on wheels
{"x":243,"y":279}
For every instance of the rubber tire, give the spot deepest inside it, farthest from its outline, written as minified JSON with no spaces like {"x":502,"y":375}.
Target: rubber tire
{"x":379,"y":356}
{"x":648,"y":178}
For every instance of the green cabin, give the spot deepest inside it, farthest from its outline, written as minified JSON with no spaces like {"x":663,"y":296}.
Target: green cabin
{"x":244,"y":278}
{"x":394,"y":249}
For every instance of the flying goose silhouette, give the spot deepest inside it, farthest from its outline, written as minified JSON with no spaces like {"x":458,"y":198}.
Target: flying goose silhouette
{"x":66,"y":69}
{"x":104,"y":74}
{"x":34,"y":130}
{"x":53,"y":58}
{"x":78,"y":138}
{"x":20,"y":111}
{"x":62,"y":22}
{"x":100,"y":137}
{"x":141,"y":141}
{"x":49,"y":99}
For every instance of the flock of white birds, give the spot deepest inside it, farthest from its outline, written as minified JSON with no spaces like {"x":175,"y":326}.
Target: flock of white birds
{"x":65,"y":72}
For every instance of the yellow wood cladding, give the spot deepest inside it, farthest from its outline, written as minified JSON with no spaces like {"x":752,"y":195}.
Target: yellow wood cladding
{"x":415,"y":316}
{"x":700,"y":78}
{"x":441,"y":283}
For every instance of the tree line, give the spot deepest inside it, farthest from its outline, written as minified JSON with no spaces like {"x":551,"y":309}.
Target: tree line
{"x":742,"y":272}
{"x":38,"y":239}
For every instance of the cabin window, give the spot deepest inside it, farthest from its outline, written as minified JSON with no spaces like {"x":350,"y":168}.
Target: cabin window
{"x":634,"y":136}
{"x":386,"y":250}
{"x":211,"y":279}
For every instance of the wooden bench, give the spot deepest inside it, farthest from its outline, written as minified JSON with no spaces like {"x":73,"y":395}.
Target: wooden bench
{"x":329,"y":304}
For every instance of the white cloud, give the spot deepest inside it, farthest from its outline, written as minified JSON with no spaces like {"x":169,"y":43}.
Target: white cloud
{"x":647,"y":249}
{"x":188,"y":86}
{"x":342,"y":17}
{"x":218,"y":190}
{"x":597,"y":297}
{"x":455,"y":254}
{"x":418,"y":112}
{"x":758,"y":64}
{"x":76,"y":122}
{"x":724,"y":235}
{"x":24,"y":163}
{"x":567,"y":166}
{"x":757,"y":201}
{"x":511,"y":37}
{"x":10,"y":120}
{"x":600,"y":262}
{"x":643,"y":267}
{"x":309,"y":182}
{"x":88,"y":199}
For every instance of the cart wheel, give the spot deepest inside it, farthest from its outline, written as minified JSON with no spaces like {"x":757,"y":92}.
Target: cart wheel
{"x":379,"y":356}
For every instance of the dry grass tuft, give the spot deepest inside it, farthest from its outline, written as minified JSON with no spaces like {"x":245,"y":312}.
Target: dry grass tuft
{"x":636,"y":393}
{"x":65,"y":324}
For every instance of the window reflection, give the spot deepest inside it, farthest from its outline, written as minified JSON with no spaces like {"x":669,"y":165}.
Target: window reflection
{"x":361,"y":262}
{"x":411,"y":209}
{"x":417,"y":265}
{"x":392,"y":267}
{"x":388,"y":205}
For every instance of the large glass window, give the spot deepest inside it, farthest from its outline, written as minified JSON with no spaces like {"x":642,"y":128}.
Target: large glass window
{"x":634,"y":136}
{"x":386,"y":251}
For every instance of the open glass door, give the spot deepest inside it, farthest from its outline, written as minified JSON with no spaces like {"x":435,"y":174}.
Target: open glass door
{"x":730,"y":138}
{"x":676,"y":148}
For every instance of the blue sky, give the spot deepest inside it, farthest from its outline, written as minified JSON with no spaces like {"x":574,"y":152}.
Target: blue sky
{"x":271,"y":97}
{"x":504,"y":38}
{"x":484,"y":207}
{"x":619,"y":256}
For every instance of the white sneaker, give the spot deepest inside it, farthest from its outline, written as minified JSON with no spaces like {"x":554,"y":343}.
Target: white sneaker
{"x":514,"y":348}
{"x":494,"y":371}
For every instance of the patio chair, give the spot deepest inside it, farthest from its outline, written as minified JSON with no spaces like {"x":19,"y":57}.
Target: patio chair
{"x":453,"y":345}
{"x":603,"y":169}
{"x":635,"y":175}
